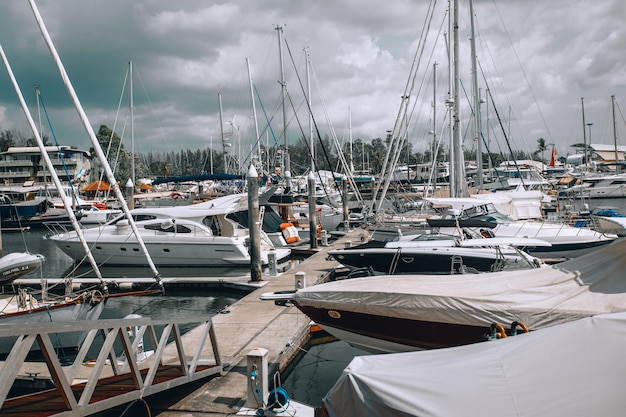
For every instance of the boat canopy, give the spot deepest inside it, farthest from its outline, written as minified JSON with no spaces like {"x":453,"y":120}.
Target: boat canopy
{"x":575,"y":368}
{"x":582,"y":287}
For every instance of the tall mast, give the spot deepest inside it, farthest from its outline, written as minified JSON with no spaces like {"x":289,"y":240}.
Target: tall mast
{"x":219,"y":100}
{"x":477,"y":114}
{"x":456,"y":188}
{"x":132,"y":122}
{"x":93,"y":138}
{"x":614,"y":130}
{"x":308,"y":85}
{"x":582,"y":105}
{"x":286,"y":162}
{"x":257,"y":139}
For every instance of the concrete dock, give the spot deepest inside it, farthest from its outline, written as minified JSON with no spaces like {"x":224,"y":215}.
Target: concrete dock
{"x":253,"y":323}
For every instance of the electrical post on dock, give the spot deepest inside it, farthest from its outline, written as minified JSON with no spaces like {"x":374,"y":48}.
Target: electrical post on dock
{"x":257,"y":364}
{"x":256,"y":274}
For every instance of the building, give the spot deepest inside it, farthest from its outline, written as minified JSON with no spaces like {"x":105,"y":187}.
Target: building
{"x":22,"y":165}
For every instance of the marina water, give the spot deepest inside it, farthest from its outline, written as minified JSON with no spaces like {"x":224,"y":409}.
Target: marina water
{"x":311,"y":375}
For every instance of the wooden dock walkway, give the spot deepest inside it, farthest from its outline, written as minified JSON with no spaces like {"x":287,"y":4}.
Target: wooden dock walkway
{"x":253,"y":323}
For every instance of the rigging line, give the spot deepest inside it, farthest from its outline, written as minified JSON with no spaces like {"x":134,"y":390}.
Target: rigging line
{"x":326,"y":156}
{"x":267,"y":119}
{"x":523,"y":71}
{"x":398,"y":121}
{"x":506,"y":138}
{"x":349,"y":178}
{"x":61,"y":156}
{"x":493,"y":104}
{"x":341,"y":158}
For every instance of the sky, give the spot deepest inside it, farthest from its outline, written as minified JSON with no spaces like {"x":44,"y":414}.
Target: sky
{"x":538,"y":59}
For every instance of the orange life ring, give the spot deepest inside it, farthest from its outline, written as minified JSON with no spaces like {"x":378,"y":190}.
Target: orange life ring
{"x":176,"y":196}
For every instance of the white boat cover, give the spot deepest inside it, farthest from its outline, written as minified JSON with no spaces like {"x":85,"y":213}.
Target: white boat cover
{"x":585,"y":286}
{"x":574,"y":369}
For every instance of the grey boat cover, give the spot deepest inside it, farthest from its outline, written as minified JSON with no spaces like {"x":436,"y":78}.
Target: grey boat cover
{"x":573,"y":369}
{"x":591,"y":284}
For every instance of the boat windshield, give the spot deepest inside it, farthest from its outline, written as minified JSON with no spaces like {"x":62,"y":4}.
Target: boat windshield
{"x":486,"y":212}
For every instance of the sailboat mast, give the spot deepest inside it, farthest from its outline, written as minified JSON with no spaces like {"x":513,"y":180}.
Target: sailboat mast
{"x":50,"y":166}
{"x":257,"y":139}
{"x":477,"y":113}
{"x":93,"y":138}
{"x":132,"y":122}
{"x":582,"y":105}
{"x":219,"y":100}
{"x":614,"y":130}
{"x":308,"y":87}
{"x":456,"y":188}
{"x":286,"y":162}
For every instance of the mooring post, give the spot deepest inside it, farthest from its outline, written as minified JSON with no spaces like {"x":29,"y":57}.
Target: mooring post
{"x":130,"y":194}
{"x":346,"y":214}
{"x":254,"y":226}
{"x":312,"y":220}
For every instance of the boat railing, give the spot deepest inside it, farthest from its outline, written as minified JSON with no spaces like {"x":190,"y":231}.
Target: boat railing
{"x":57,"y":228}
{"x":87,"y":383}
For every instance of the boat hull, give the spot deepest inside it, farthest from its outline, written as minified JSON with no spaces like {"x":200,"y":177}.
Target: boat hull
{"x":170,"y":252}
{"x":68,"y":311}
{"x":386,"y":334}
{"x":435,"y":260}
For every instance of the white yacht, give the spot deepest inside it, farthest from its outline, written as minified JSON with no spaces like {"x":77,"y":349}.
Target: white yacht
{"x":206,"y":234}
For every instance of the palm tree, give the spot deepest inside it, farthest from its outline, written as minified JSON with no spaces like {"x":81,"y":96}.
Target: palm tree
{"x":541,"y":147}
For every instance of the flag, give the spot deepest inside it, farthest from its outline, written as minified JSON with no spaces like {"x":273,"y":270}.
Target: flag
{"x":553,"y":157}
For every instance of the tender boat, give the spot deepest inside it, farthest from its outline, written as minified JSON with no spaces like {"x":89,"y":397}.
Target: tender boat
{"x":17,"y":264}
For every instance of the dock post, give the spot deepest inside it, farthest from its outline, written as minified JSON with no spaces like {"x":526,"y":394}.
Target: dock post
{"x":346,"y":212}
{"x":271,"y":264}
{"x":347,"y":244}
{"x":312,"y":219}
{"x":130,"y":194}
{"x":257,"y":378}
{"x":254,"y":228}
{"x":300,"y":280}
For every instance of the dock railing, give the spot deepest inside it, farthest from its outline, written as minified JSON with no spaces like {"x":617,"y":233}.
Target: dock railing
{"x":84,"y":386}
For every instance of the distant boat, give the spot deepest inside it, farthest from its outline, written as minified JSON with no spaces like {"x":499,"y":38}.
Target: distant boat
{"x":17,"y":264}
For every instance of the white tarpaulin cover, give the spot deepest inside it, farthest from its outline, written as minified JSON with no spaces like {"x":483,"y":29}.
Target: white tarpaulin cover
{"x":573,"y":369}
{"x":585,"y":286}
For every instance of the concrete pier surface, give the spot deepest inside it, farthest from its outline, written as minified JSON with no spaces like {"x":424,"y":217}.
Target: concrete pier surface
{"x":248,"y":324}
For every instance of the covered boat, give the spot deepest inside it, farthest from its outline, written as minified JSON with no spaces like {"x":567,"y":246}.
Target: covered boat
{"x":394,"y":313}
{"x":573,"y":369}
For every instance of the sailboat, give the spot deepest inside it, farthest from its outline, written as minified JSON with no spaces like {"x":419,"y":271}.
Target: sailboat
{"x":87,"y":304}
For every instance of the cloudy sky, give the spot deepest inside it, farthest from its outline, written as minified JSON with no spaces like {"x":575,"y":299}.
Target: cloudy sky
{"x":538,"y":58}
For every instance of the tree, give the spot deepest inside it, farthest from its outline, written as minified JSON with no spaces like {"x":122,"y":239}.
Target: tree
{"x":541,"y":147}
{"x":117,"y":156}
{"x":7,"y":139}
